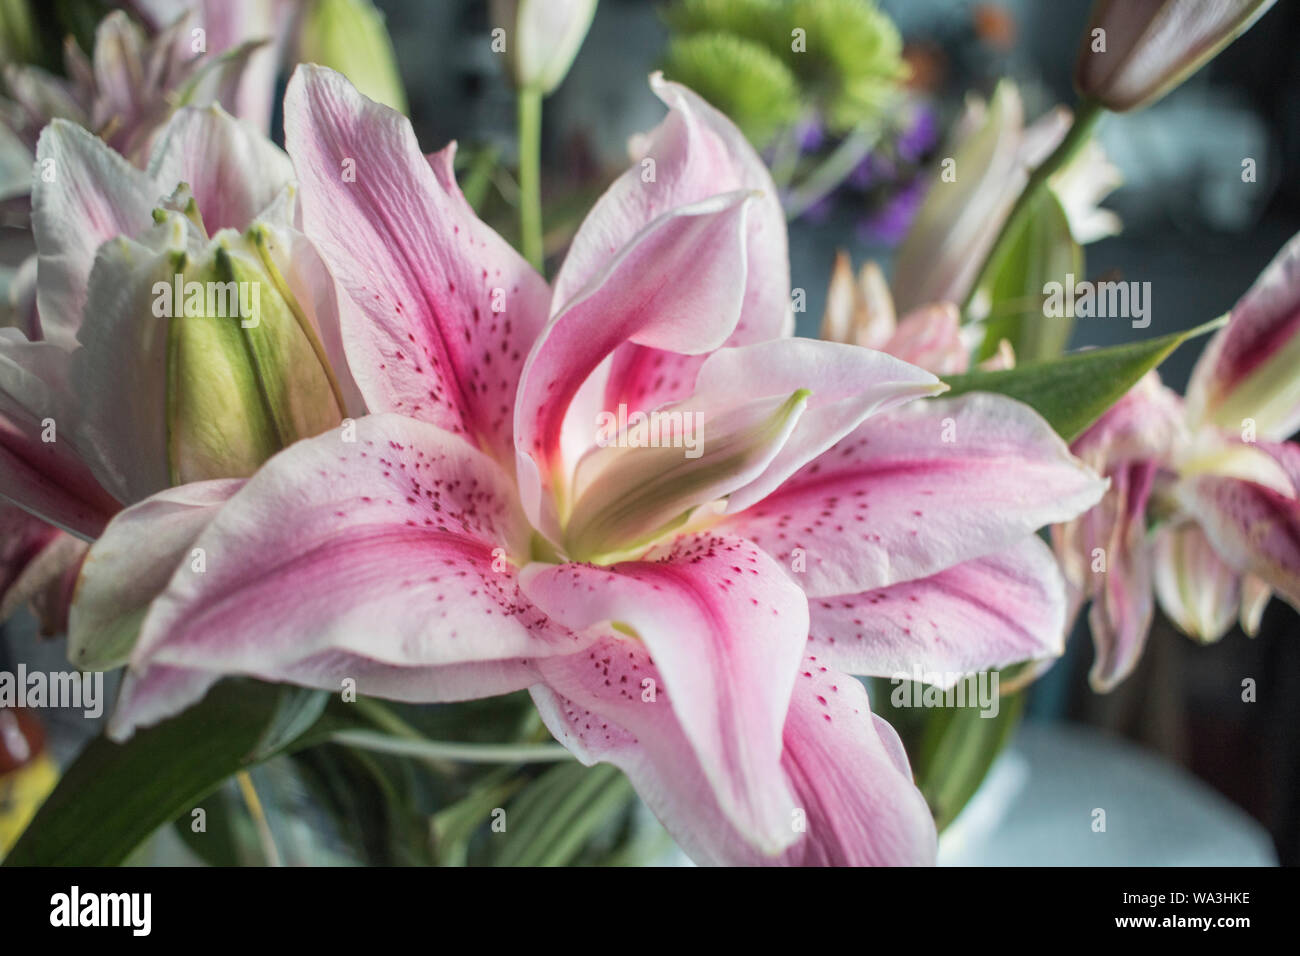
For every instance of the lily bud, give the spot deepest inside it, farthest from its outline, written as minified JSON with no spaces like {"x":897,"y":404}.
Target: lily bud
{"x":1136,"y":51}
{"x":350,"y":36}
{"x":246,"y":375}
{"x":541,"y":38}
{"x":861,"y":311}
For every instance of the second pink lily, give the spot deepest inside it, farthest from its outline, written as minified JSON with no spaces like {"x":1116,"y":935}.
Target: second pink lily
{"x":1203,"y":512}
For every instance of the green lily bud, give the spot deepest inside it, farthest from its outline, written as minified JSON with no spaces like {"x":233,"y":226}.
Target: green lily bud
{"x":246,"y":373}
{"x":350,"y":36}
{"x":541,"y":38}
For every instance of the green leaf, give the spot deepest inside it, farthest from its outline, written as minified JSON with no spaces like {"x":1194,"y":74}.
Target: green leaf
{"x":454,"y":826}
{"x":220,"y":842}
{"x":1042,"y":250}
{"x":296,"y":711}
{"x":372,"y":802}
{"x":1073,"y":391}
{"x":951,"y":749}
{"x":553,"y":818}
{"x":956,"y":752}
{"x":114,"y":796}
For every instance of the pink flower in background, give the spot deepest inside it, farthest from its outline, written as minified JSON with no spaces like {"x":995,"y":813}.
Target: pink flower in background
{"x":860,"y":311}
{"x":968,"y":202}
{"x":105,"y":401}
{"x":1203,"y":511}
{"x":136,"y":79}
{"x":691,"y":618}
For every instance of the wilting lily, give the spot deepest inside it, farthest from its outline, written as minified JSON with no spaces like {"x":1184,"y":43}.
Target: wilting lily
{"x":184,"y":329}
{"x":687,"y":617}
{"x":1204,"y":505}
{"x":1136,"y":51}
{"x":973,"y":192}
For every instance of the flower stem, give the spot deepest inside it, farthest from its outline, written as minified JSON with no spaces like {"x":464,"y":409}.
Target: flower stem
{"x":249,"y":793}
{"x":834,"y":169}
{"x":530,"y":186}
{"x":1085,"y":119}
{"x":448,"y":750}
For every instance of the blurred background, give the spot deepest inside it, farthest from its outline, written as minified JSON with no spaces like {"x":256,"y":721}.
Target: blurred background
{"x":1191,"y":227}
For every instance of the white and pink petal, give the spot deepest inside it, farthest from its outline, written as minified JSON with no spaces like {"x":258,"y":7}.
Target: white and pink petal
{"x":918,"y":489}
{"x":726,"y":630}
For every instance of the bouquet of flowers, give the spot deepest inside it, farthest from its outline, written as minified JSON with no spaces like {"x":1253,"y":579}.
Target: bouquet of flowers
{"x":298,"y":445}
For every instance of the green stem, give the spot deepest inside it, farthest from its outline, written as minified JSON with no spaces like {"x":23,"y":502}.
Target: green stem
{"x":379,"y":714}
{"x":447,"y":750}
{"x":254,"y":805}
{"x":530,"y":185}
{"x":1085,"y":119}
{"x":834,"y":169}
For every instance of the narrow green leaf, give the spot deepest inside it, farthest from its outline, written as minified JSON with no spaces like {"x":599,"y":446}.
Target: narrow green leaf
{"x":1073,"y":391}
{"x":551,"y":819}
{"x":296,"y":711}
{"x":114,"y":796}
{"x":956,"y":752}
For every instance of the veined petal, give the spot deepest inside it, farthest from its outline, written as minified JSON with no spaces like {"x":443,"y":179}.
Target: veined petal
{"x":130,"y":565}
{"x":655,"y":474}
{"x":120,"y":372}
{"x":1248,"y":369}
{"x":41,"y":467}
{"x":449,"y":309}
{"x":398,"y":550}
{"x":931,"y":338}
{"x":232,"y":169}
{"x":726,"y":630}
{"x":89,"y":195}
{"x":230,"y":25}
{"x":1112,"y":564}
{"x":847,"y":385}
{"x":1201,"y":594}
{"x":1000,"y":609}
{"x":674,"y":286}
{"x":851,"y":778}
{"x":1146,"y":424}
{"x":1254,"y":528}
{"x":853,"y":800}
{"x":918,"y":489}
{"x":695,"y":153}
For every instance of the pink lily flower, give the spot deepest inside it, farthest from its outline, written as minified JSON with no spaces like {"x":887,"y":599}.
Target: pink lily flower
{"x":105,"y":401}
{"x":135,"y":80}
{"x":1215,"y":476}
{"x":502,"y":520}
